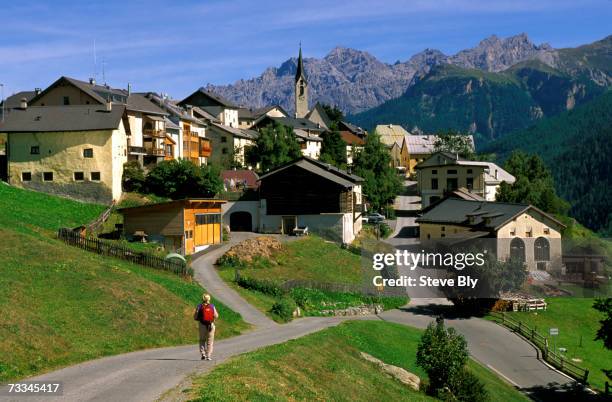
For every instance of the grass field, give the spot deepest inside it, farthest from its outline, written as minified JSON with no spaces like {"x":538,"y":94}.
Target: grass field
{"x":326,"y":366}
{"x":309,"y":258}
{"x":312,"y":259}
{"x":577,"y":322}
{"x":61,"y":305}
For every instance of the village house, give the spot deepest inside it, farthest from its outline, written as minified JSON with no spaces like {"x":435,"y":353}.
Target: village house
{"x":183,"y":226}
{"x":308,"y":134}
{"x":76,"y":151}
{"x":521,"y":232}
{"x":188,"y":130}
{"x":444,"y":172}
{"x":247,"y":117}
{"x":353,"y":143}
{"x":224,"y":132}
{"x":304,"y":195}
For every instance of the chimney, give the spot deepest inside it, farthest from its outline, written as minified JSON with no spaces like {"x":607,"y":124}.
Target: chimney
{"x":109,"y":106}
{"x":23,"y":104}
{"x":496,"y":174}
{"x":129,"y":89}
{"x":37,"y":91}
{"x":92,"y":81}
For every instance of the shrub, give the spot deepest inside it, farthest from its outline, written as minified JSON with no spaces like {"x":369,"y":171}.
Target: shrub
{"x":442,"y":353}
{"x":260,"y":285}
{"x":502,"y":305}
{"x":466,"y":387}
{"x":133,"y":177}
{"x":284,"y":308}
{"x":385,"y":230}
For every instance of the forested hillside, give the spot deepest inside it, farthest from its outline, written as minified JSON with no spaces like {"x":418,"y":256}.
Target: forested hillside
{"x":487,"y":104}
{"x":576,"y":146}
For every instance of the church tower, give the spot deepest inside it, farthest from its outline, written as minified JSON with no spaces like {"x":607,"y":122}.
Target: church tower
{"x":301,"y":89}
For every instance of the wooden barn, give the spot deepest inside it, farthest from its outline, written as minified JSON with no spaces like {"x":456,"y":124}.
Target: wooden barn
{"x":183,"y":226}
{"x":308,"y":193}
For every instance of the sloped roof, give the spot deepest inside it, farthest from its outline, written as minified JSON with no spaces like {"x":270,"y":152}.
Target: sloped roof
{"x":391,"y":133}
{"x":100,"y":93}
{"x":237,"y":132}
{"x":485,"y":215}
{"x":351,"y":139}
{"x":62,"y":118}
{"x":15,"y":99}
{"x":325,"y":170}
{"x":301,"y":134}
{"x":420,"y":144}
{"x":465,"y":194}
{"x":246,"y":176}
{"x":221,"y":101}
{"x":319,"y":109}
{"x":139,"y":103}
{"x":352,"y":128}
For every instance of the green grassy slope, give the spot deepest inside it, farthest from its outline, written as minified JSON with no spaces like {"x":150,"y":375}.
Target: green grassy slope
{"x":61,"y":305}
{"x":578,"y":323}
{"x":327,"y":366}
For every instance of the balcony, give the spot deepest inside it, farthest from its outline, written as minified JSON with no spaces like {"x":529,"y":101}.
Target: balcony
{"x":147,"y":132}
{"x":137,"y":150}
{"x":155,"y":151}
{"x":205,"y":148}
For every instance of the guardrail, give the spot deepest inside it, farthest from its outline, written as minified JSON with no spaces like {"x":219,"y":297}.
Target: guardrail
{"x":108,"y":249}
{"x":541,"y":342}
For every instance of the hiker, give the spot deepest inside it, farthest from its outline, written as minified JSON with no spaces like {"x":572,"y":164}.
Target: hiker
{"x":205,"y":314}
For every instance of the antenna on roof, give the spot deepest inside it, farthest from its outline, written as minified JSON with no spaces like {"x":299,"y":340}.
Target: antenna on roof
{"x":103,"y":71}
{"x":95,"y":66}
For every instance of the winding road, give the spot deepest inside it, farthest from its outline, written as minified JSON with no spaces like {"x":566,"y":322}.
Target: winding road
{"x":146,"y":375}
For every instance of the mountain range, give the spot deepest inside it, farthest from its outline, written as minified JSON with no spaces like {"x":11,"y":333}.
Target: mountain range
{"x":501,"y":85}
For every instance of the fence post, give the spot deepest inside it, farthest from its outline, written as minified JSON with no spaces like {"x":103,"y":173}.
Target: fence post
{"x":545,"y":351}
{"x":519,"y":327}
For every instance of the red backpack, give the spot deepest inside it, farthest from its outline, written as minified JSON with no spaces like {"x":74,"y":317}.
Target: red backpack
{"x":207,"y":313}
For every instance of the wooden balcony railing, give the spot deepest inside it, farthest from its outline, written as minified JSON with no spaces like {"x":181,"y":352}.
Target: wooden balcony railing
{"x":147,"y":132}
{"x":137,"y":150}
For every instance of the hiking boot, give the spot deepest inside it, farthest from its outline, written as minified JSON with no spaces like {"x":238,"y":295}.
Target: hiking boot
{"x":204,"y":357}
{"x":208,"y":358}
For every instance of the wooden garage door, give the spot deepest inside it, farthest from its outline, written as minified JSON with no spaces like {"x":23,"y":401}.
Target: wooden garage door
{"x":207,"y":229}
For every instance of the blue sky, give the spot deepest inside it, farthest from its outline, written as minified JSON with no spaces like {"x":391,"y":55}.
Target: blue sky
{"x":177,"y":46}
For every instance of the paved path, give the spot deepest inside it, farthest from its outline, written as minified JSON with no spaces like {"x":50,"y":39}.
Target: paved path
{"x":206,"y":275}
{"x":146,"y":375}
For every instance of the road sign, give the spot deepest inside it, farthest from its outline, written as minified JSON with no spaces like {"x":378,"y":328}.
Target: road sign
{"x":553,"y":331}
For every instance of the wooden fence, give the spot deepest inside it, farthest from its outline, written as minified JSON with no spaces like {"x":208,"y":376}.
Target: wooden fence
{"x":551,"y":356}
{"x":108,"y":249}
{"x":95,"y":225}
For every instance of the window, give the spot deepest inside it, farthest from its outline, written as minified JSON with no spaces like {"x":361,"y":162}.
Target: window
{"x":188,"y":234}
{"x":224,"y":151}
{"x":88,"y":153}
{"x":452,"y":171}
{"x":35,"y":150}
{"x":66,"y":100}
{"x":223,"y":139}
{"x":513,"y":232}
{"x":469,"y":182}
{"x":434,"y":171}
{"x":434,"y":184}
{"x":541,"y":249}
{"x":546,"y":230}
{"x":451,"y":184}
{"x":469,"y":171}
{"x":47,"y":176}
{"x":79,"y":176}
{"x":517,"y":249}
{"x":443,"y":228}
{"x":95,"y":176}
{"x":26,"y":176}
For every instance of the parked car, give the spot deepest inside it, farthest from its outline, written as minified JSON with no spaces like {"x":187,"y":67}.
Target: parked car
{"x":375,"y":218}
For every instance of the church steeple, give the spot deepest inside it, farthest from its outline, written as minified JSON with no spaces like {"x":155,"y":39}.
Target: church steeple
{"x":301,"y":88}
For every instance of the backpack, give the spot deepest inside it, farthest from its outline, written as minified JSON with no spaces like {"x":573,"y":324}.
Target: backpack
{"x":207,"y":313}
